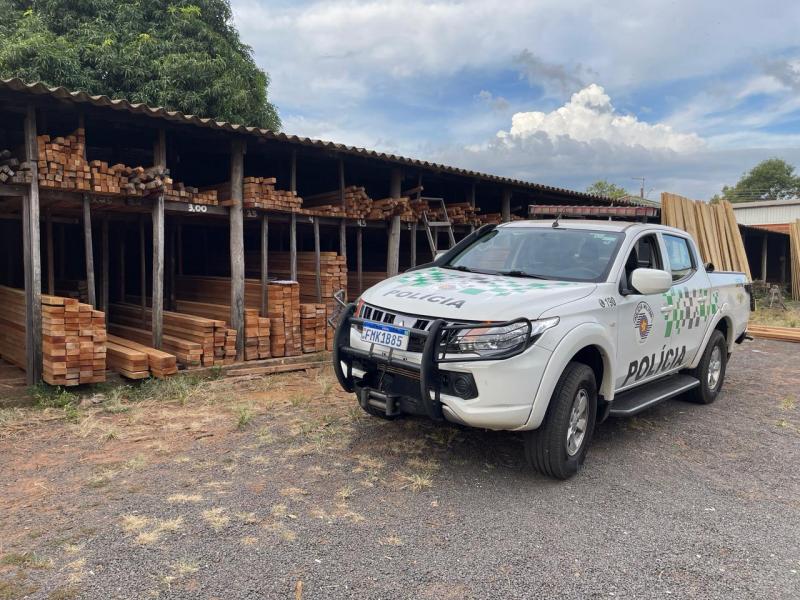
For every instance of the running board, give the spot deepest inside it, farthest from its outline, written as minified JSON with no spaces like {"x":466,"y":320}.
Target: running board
{"x":641,"y":398}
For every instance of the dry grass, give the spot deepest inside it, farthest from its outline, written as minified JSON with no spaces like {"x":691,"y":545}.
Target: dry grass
{"x":216,"y":518}
{"x":184,"y":498}
{"x":416,"y":482}
{"x":776,"y":317}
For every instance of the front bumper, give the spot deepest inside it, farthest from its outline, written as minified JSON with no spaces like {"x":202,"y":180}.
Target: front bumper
{"x":494,"y":393}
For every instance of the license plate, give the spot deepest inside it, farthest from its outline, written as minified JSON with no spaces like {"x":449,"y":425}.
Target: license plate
{"x":385,"y":335}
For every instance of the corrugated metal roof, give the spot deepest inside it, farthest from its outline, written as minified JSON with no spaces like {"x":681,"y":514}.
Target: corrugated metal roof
{"x":78,"y":97}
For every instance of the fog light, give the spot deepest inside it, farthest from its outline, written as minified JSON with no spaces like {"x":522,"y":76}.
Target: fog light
{"x":462,"y":386}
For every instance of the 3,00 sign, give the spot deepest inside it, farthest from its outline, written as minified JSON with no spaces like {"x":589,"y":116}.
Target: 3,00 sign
{"x":197,"y":208}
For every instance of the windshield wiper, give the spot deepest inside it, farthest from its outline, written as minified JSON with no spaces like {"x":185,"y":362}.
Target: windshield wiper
{"x":461,"y":268}
{"x":518,"y":273}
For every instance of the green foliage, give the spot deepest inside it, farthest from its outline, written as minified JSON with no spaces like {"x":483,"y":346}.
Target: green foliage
{"x":48,"y":396}
{"x":602,"y":187}
{"x":771,"y":179}
{"x":183,"y":55}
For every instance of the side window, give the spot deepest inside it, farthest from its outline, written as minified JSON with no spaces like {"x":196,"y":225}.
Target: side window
{"x":680,"y":256}
{"x":644,"y":254}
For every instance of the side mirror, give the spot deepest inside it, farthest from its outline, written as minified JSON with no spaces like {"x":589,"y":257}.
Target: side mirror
{"x":651,"y":281}
{"x":709,"y":267}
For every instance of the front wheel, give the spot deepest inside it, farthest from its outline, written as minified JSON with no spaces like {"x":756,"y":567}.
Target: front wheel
{"x":710,"y":370}
{"x":558,"y":447}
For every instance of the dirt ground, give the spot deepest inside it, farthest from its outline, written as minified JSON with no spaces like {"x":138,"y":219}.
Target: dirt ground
{"x":280,"y":487}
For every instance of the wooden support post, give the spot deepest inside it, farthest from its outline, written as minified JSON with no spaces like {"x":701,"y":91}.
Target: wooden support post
{"x":341,"y":181}
{"x":160,"y":150}
{"x":157,"y":300}
{"x":343,"y":239}
{"x":32,"y":262}
{"x":122,"y":270}
{"x":142,"y":270}
{"x":87,"y":246}
{"x":413,"y":242}
{"x":393,"y":249}
{"x":317,"y":264}
{"x":104,"y":270}
{"x":764,"y":243}
{"x":264,"y":265}
{"x":236,"y":224}
{"x":293,"y":247}
{"x":51,"y":268}
{"x":360,"y":259}
{"x":62,"y":252}
{"x":293,"y":172}
{"x":505,"y":207}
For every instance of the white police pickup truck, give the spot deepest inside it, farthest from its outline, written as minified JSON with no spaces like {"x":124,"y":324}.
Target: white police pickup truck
{"x":545,"y":328}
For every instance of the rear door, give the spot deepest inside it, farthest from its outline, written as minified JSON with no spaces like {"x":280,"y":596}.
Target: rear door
{"x":690,"y":303}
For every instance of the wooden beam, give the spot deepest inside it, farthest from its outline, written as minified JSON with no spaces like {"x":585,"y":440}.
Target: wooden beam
{"x":293,"y":247}
{"x":393,"y":248}
{"x":236,"y":224}
{"x":317,"y":265}
{"x":157,"y":300}
{"x":51,"y":268}
{"x":104,"y":270}
{"x":32,"y":262}
{"x":505,"y":206}
{"x":343,"y":239}
{"x":160,"y":149}
{"x":173,"y":270}
{"x":360,"y":259}
{"x":88,"y":251}
{"x":264,"y":264}
{"x":413,"y":242}
{"x":764,"y":244}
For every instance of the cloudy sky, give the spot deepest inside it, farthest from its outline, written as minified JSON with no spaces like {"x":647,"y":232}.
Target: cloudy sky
{"x":688,"y":94}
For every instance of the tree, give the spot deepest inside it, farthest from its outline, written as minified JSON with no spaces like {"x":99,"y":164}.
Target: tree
{"x":771,"y":179}
{"x":182,"y":55}
{"x":602,"y":187}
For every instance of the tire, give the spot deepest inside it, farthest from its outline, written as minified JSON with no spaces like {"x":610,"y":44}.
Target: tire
{"x":546,"y":448}
{"x":716,"y":353}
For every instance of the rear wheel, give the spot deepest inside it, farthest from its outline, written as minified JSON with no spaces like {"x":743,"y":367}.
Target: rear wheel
{"x":710,"y":370}
{"x":558,"y":447}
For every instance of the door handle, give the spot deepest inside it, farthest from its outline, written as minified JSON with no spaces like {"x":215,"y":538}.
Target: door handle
{"x":666,"y":309}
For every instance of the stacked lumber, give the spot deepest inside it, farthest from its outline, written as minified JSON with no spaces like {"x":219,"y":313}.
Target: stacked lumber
{"x":157,"y":363}
{"x":369,"y":279}
{"x":284,"y":312}
{"x":12,"y":170}
{"x":259,"y":192}
{"x":109,"y":179}
{"x":714,"y":228}
{"x":313,"y":326}
{"x":386,"y":208}
{"x":256,"y":329}
{"x":179,"y":192}
{"x":490,"y":218}
{"x":783,"y":334}
{"x":459,"y":213}
{"x":73,"y":338}
{"x":62,"y":162}
{"x":129,"y":363}
{"x":794,"y":241}
{"x":210,"y":334}
{"x":188,"y":353}
{"x":357,"y":203}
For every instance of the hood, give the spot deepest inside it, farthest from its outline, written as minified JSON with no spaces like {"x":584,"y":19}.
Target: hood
{"x":449,"y":294}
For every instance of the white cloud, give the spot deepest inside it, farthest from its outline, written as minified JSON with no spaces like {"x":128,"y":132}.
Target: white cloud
{"x":589,"y":116}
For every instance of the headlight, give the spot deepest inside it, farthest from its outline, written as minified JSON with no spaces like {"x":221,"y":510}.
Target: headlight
{"x":487,"y":340}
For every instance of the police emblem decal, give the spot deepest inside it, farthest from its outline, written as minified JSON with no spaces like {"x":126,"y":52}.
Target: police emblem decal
{"x":643,"y":320}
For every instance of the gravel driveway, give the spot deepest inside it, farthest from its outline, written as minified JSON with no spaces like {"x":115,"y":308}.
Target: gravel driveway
{"x":281,"y":488}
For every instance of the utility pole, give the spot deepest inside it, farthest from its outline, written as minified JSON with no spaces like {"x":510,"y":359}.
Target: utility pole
{"x":641,"y":187}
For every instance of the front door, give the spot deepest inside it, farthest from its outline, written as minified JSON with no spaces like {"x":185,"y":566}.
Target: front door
{"x":643,"y":350}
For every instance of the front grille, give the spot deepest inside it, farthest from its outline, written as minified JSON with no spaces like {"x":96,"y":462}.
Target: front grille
{"x":379,"y":315}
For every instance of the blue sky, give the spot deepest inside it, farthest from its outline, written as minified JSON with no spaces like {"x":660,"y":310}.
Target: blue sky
{"x":687,"y":94}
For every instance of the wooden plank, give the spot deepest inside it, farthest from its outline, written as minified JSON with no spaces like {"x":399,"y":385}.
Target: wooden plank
{"x":264,"y":264}
{"x":236,"y":225}
{"x":157,"y":291}
{"x":293,"y":247}
{"x":318,"y":277}
{"x":33,"y":267}
{"x":88,"y":251}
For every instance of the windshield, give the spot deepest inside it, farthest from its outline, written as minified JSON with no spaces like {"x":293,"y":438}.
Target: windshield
{"x":539,"y":252}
